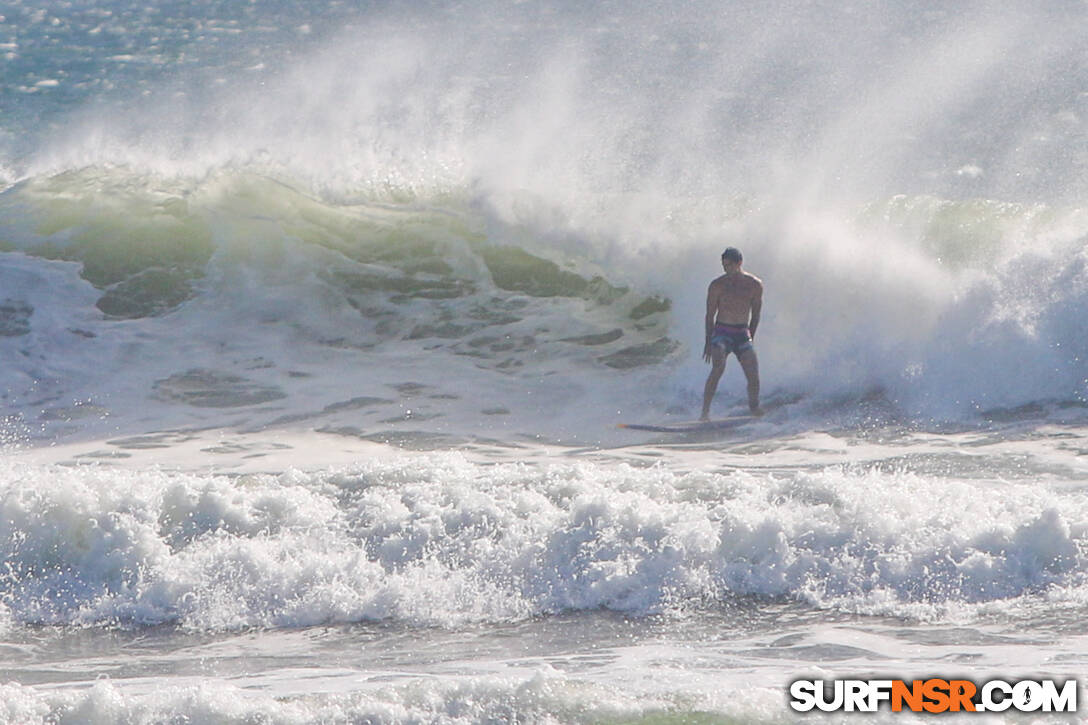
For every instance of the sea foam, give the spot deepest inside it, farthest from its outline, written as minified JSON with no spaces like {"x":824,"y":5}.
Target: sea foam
{"x":446,"y":541}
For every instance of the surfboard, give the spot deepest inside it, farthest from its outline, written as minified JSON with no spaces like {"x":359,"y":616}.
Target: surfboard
{"x":698,"y":426}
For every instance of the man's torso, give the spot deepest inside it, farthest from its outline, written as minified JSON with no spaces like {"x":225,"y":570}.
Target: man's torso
{"x":734,"y":295}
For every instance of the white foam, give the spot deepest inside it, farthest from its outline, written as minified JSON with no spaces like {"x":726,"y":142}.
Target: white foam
{"x":442,"y":540}
{"x":545,"y":697}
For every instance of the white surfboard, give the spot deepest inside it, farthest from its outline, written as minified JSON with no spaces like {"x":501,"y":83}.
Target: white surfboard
{"x":698,"y":426}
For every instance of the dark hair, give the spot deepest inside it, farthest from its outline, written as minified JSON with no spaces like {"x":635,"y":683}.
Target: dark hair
{"x":732,"y":254}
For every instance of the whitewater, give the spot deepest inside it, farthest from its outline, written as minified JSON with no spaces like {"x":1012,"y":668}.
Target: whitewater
{"x":318,"y":321}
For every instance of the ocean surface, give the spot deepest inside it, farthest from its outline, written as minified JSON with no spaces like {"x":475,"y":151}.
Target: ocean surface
{"x":317,"y":321}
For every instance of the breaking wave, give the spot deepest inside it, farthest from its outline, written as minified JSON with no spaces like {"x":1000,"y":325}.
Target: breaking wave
{"x":449,"y":542}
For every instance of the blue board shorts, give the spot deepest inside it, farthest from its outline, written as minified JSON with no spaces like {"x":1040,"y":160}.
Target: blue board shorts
{"x":731,"y":339}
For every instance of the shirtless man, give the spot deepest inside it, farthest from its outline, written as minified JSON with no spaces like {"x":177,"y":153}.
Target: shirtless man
{"x":733,"y":303}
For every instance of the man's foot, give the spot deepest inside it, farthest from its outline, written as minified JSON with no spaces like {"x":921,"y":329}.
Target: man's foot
{"x":757,"y":411}
{"x":704,"y":418}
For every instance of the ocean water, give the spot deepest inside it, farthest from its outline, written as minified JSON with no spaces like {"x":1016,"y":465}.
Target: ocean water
{"x":317,"y":322}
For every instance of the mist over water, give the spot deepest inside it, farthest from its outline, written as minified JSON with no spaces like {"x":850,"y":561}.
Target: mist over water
{"x":829,"y":100}
{"x":806,"y":102}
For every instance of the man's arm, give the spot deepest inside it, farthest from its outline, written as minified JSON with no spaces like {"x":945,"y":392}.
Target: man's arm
{"x":711,"y":313}
{"x":757,"y":307}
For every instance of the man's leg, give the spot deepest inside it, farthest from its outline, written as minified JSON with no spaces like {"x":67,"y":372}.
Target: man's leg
{"x":717,"y":367}
{"x":750,"y":365}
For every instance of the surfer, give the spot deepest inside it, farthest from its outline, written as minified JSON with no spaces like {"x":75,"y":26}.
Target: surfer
{"x":733,"y":304}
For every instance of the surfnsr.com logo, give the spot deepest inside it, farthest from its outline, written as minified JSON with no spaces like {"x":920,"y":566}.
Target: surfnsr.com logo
{"x":934,"y":695}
